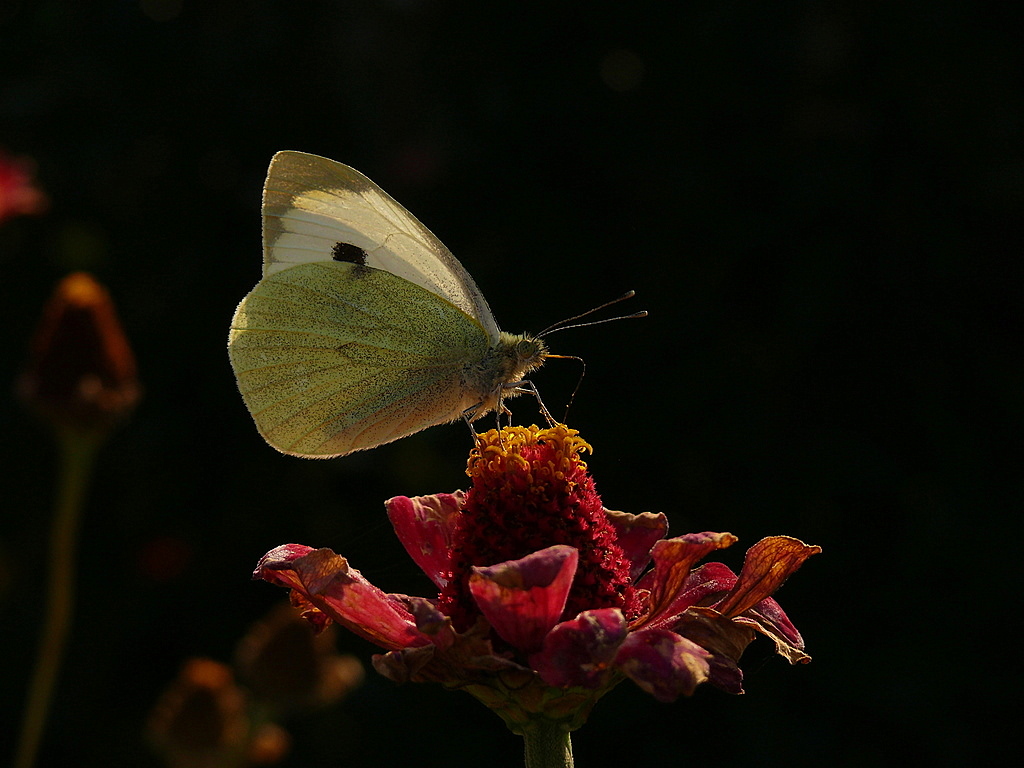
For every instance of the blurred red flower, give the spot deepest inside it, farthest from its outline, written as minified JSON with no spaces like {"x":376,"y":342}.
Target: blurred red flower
{"x":19,"y":195}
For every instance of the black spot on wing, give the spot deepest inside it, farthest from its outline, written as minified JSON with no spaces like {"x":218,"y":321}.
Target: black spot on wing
{"x":350,"y":253}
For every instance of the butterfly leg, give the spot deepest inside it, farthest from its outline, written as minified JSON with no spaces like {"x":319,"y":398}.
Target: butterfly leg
{"x":500,"y":409}
{"x":503,"y":410}
{"x":528,"y":387}
{"x":468,"y":416}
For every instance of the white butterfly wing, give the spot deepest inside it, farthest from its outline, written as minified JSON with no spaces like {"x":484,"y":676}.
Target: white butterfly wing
{"x":333,"y":357}
{"x":311,"y":204}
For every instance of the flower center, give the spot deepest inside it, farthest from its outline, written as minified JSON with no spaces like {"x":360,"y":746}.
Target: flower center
{"x":531,"y":490}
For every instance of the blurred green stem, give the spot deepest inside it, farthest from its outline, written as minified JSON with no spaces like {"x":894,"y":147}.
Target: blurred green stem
{"x":547,"y":745}
{"x":77,"y":454}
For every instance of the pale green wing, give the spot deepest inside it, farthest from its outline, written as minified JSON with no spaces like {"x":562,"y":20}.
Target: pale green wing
{"x":311,"y":204}
{"x":333,"y":357}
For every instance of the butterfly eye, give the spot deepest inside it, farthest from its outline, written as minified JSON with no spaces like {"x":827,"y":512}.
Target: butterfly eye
{"x":527,"y":349}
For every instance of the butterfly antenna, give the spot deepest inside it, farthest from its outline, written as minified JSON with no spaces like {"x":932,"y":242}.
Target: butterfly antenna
{"x":561,"y":325}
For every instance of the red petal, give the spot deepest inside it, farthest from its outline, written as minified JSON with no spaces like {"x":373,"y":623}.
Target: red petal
{"x":424,"y":525}
{"x":582,"y":651}
{"x":637,"y":534}
{"x":673,"y":559}
{"x":523,"y":599}
{"x":704,"y":585}
{"x":663,"y":663}
{"x":326,"y":580}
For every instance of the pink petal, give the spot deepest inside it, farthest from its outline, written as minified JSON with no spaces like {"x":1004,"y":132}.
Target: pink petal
{"x":663,"y":663}
{"x":581,"y":651}
{"x":424,"y":525}
{"x":325,"y":580}
{"x":523,"y":599}
{"x":637,"y":534}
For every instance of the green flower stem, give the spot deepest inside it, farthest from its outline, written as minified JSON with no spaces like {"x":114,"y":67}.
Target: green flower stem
{"x":547,"y":745}
{"x":77,"y":454}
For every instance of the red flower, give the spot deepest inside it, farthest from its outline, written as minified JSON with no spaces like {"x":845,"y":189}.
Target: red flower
{"x":19,"y":196}
{"x":545,"y":598}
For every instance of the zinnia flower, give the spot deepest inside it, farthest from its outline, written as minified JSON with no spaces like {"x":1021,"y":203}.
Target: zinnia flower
{"x":546,"y":599}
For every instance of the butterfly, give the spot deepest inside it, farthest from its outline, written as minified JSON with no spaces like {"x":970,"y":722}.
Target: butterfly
{"x":364,"y":328}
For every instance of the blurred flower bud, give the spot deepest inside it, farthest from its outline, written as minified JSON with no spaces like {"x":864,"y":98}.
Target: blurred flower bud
{"x":81,"y":370}
{"x":201,"y":720}
{"x":288,"y":667}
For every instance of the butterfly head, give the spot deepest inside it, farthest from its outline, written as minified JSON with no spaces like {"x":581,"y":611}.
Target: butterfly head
{"x":527,"y":354}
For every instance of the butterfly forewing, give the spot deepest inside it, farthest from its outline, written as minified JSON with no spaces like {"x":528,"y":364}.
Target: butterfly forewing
{"x":310,"y":204}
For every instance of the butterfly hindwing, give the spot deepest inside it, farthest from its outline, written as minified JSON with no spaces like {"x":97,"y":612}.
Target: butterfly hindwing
{"x":332,"y":357}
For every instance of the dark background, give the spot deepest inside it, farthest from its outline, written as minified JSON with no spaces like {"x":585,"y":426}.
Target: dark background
{"x":819,"y":204}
